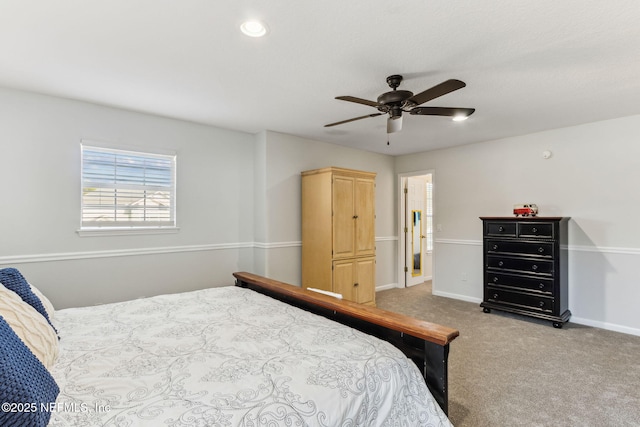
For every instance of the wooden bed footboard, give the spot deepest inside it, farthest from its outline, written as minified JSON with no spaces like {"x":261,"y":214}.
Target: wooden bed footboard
{"x":427,"y":344}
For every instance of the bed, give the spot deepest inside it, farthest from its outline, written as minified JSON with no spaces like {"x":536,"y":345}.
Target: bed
{"x":258,"y":353}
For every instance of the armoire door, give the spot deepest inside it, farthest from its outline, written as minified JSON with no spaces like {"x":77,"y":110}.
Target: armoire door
{"x":344,"y":278}
{"x":344,"y":221}
{"x":365,"y":280}
{"x":364,"y":210}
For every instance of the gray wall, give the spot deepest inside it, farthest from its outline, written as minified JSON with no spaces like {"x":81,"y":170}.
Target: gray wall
{"x":238,"y":202}
{"x":239,"y":205}
{"x":591,"y":177}
{"x":286,"y":156}
{"x":40,"y":192}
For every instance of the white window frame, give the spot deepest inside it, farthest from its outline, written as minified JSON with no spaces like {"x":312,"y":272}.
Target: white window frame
{"x":117,"y":222}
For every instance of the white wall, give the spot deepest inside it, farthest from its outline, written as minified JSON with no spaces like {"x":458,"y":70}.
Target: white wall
{"x":40,"y":192}
{"x":591,"y":177}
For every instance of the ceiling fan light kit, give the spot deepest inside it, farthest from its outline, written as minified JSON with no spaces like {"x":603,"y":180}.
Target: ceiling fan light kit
{"x":395,"y":102}
{"x":394,"y":124}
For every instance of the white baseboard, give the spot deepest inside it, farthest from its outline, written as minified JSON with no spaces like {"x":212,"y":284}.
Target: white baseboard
{"x":605,"y":325}
{"x":386,"y":287}
{"x":457,"y":296}
{"x":580,"y":321}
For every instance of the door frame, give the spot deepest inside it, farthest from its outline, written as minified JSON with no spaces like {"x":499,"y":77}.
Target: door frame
{"x":402,"y":244}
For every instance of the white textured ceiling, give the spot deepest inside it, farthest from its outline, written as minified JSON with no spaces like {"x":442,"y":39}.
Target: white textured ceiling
{"x":528,"y":65}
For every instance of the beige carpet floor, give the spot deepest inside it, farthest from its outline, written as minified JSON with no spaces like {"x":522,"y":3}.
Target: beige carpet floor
{"x":510,"y":370}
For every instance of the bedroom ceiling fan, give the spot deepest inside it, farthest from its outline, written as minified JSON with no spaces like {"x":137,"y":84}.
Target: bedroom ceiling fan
{"x":395,"y":102}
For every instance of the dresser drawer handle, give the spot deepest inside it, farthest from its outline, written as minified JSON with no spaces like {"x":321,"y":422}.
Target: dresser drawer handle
{"x":495,"y":279}
{"x":541,"y":285}
{"x":495,"y":296}
{"x":355,"y":285}
{"x":500,"y":264}
{"x":534,"y":267}
{"x":541,"y":303}
{"x":540,"y":249}
{"x":535,"y":230}
{"x":501,"y":228}
{"x":495,"y":247}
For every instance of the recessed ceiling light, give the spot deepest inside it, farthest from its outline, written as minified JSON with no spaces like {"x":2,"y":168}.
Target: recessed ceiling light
{"x":459,"y":118}
{"x":253,"y":28}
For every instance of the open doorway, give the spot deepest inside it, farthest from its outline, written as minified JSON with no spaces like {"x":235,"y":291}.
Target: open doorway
{"x":415,"y":248}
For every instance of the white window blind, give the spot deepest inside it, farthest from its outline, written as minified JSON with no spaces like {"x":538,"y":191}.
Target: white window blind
{"x":127,"y":189}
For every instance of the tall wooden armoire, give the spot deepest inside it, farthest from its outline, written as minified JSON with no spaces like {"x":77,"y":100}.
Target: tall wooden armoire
{"x":338,"y":232}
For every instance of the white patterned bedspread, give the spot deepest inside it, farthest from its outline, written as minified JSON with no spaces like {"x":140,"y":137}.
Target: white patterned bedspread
{"x":229,"y":357}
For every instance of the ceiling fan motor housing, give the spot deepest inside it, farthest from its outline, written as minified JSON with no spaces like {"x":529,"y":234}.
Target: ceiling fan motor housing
{"x":394,"y":97}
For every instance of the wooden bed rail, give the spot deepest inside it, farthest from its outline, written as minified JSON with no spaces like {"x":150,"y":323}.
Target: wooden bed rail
{"x":427,"y":344}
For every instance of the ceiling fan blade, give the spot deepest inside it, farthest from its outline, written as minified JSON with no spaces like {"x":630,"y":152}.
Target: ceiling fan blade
{"x":394,"y":125}
{"x":358,"y":101}
{"x":442,"y":111}
{"x":354,"y":119}
{"x":436,"y":91}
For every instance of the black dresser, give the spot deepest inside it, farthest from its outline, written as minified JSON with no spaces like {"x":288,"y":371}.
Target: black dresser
{"x":525,"y":267}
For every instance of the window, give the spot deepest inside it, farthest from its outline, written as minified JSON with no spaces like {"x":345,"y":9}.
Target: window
{"x":127,"y":189}
{"x":429,"y":216}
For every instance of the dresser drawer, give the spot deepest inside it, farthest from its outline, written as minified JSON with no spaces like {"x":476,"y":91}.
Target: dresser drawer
{"x":516,"y":247}
{"x":532,"y":302}
{"x":534,"y":284}
{"x":535,"y":229}
{"x":500,"y":229}
{"x":537,"y":266}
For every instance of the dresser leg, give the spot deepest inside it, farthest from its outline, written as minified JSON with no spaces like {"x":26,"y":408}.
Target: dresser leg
{"x":486,"y":310}
{"x":557,"y":325}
